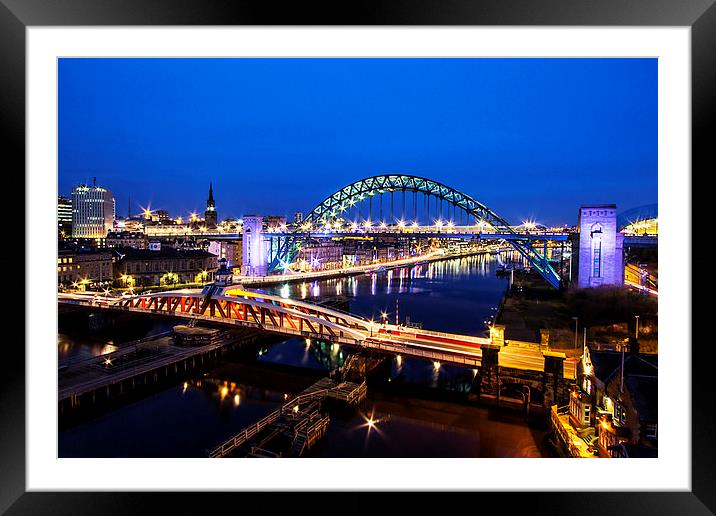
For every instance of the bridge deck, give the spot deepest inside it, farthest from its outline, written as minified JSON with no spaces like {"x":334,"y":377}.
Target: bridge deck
{"x":240,"y":308}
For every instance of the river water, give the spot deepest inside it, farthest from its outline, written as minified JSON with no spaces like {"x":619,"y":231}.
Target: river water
{"x":420,"y":411}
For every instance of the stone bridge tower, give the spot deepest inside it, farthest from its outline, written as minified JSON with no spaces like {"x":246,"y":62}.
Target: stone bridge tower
{"x":598,"y":255}
{"x":254,"y":251}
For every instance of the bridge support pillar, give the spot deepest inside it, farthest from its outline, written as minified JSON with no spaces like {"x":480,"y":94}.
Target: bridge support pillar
{"x":490,"y":373}
{"x":254,"y":259}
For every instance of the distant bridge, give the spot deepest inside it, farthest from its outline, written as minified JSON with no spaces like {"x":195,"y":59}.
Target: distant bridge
{"x":334,"y":208}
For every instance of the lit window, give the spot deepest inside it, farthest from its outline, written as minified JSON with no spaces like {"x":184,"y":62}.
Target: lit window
{"x":620,"y":413}
{"x":651,"y":430}
{"x":597,"y":258}
{"x":587,"y":410}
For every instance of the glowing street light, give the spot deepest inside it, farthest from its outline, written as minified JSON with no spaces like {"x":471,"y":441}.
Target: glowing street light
{"x":371,"y":422}
{"x":415,"y":224}
{"x":529,"y":224}
{"x":401,"y":223}
{"x":367,"y":224}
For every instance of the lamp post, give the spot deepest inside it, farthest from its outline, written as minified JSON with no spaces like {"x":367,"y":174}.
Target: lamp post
{"x":576,"y":323}
{"x":636,"y":331}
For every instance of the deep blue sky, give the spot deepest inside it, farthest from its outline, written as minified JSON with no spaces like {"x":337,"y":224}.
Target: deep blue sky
{"x":530,"y":138}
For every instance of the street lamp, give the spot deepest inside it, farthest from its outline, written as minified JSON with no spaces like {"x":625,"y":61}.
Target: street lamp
{"x":576,"y":322}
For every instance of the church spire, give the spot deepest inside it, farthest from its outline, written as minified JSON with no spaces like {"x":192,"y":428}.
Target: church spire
{"x":210,"y":217}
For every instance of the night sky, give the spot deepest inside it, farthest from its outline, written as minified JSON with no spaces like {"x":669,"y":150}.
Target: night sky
{"x":530,"y":138}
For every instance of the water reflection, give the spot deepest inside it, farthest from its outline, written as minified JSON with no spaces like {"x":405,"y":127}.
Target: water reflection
{"x":69,"y":347}
{"x":307,"y":353}
{"x":455,"y":295}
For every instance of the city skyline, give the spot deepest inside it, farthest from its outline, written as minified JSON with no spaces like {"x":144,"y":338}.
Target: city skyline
{"x":160,"y":130}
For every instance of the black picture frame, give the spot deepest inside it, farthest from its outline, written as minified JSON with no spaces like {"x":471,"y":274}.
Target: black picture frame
{"x":700,"y":15}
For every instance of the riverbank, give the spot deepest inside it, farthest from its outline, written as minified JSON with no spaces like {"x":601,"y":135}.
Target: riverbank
{"x":534,"y":312}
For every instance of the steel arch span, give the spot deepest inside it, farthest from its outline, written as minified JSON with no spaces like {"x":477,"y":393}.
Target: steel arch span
{"x":333,"y":206}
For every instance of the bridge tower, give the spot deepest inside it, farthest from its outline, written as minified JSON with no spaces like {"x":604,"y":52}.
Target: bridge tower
{"x":254,"y":251}
{"x":599,"y":256}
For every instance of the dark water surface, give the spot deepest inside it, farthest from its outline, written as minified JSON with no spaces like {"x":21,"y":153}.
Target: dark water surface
{"x":186,"y":420}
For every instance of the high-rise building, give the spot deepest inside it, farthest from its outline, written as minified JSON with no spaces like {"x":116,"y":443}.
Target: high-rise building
{"x":64,"y":216}
{"x":210,"y":219}
{"x":92,"y":211}
{"x":298,"y":217}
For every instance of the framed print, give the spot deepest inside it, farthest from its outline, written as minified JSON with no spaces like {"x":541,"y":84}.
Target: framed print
{"x":417,"y":249}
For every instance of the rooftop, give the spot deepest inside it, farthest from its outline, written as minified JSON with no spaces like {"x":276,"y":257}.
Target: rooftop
{"x":607,"y":363}
{"x":130,"y":253}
